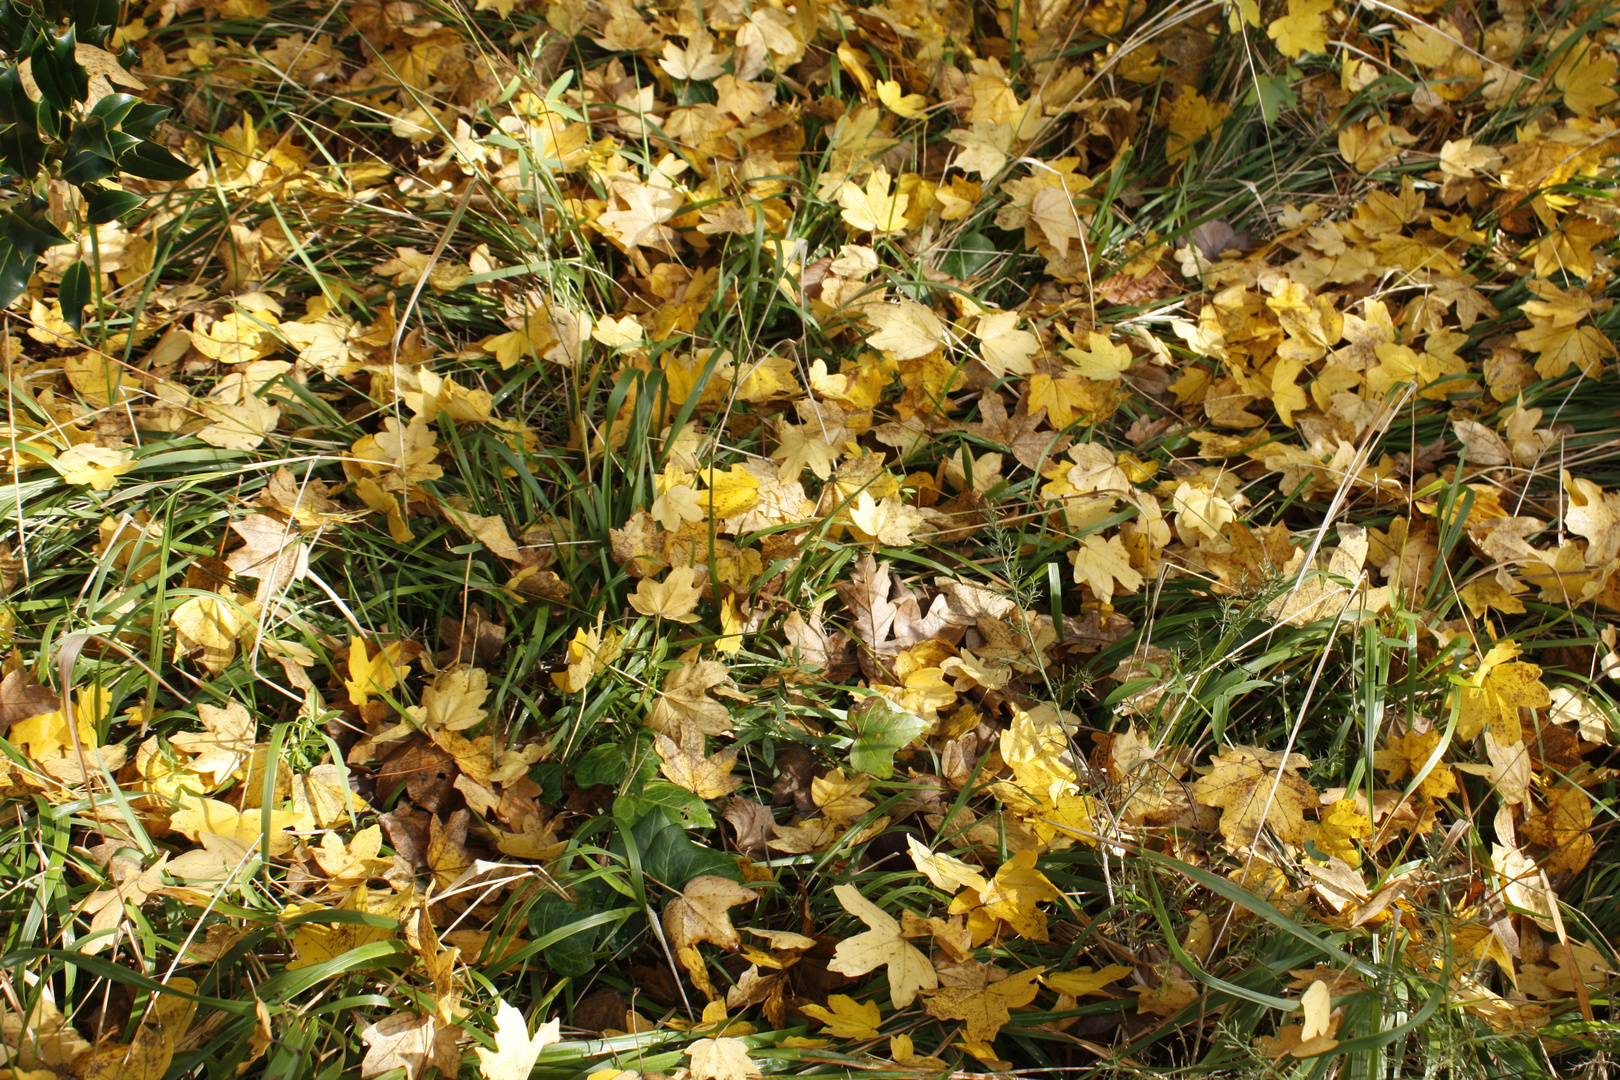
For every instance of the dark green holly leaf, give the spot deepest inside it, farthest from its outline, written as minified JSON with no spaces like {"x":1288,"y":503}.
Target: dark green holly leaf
{"x":150,"y":161}
{"x":143,"y":119}
{"x":61,"y":79}
{"x":14,"y":273}
{"x":90,"y":155}
{"x":75,"y":294}
{"x":14,"y":104}
{"x":114,"y":107}
{"x":106,"y":204}
{"x":21,"y":151}
{"x":29,"y":228}
{"x":95,"y":12}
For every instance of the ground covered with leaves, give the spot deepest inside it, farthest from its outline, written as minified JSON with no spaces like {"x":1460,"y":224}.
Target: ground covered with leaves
{"x":741,"y":539}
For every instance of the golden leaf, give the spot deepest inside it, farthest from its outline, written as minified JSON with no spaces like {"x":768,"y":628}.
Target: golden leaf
{"x":881,"y":946}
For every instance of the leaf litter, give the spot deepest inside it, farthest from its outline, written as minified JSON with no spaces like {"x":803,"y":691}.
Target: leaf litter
{"x":866,"y":538}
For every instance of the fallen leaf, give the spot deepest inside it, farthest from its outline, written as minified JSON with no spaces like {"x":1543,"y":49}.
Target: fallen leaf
{"x":881,"y":946}
{"x":515,"y":1050}
{"x":983,"y":1003}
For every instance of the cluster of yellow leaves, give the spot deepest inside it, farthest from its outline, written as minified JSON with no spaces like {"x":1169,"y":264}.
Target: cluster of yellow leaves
{"x":1297,"y":350}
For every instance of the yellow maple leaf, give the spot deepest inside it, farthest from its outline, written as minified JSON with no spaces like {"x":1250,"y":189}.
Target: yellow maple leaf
{"x":97,"y":467}
{"x":1003,"y":348}
{"x":1068,"y":397}
{"x":1410,"y":751}
{"x":903,"y":1052}
{"x":729,"y":493}
{"x":1103,"y":361}
{"x":697,"y":62}
{"x":721,"y":1059}
{"x":1317,"y":1022}
{"x":873,"y":209}
{"x":1586,"y":79}
{"x":839,"y":797}
{"x":1301,"y":30}
{"x":1015,"y":891}
{"x":400,"y":457}
{"x":199,"y":817}
{"x":982,"y":1004}
{"x":354,"y":863}
{"x":207,"y":628}
{"x":848,"y":1018}
{"x":945,"y":871}
{"x":1190,"y":117}
{"x":315,"y":943}
{"x":887,"y":521}
{"x":1499,"y":688}
{"x":881,"y":946}
{"x":1367,"y":145}
{"x":590,"y":652}
{"x":454,"y":702}
{"x":46,"y":735}
{"x":904,"y":330}
{"x":515,"y":1049}
{"x":1082,"y":982}
{"x":1564,"y":829}
{"x":221,"y":750}
{"x":373,"y":674}
{"x":706,"y":777}
{"x":1341,"y":826}
{"x":1560,"y":348}
{"x":675,"y":598}
{"x":642,"y":221}
{"x":683,"y":703}
{"x":1200,"y":511}
{"x":902,"y":104}
{"x":1254,"y":788}
{"x":1100,"y":562}
{"x":239,"y":337}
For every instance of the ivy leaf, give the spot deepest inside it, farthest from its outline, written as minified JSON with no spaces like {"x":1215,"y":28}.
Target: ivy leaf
{"x":881,"y":728}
